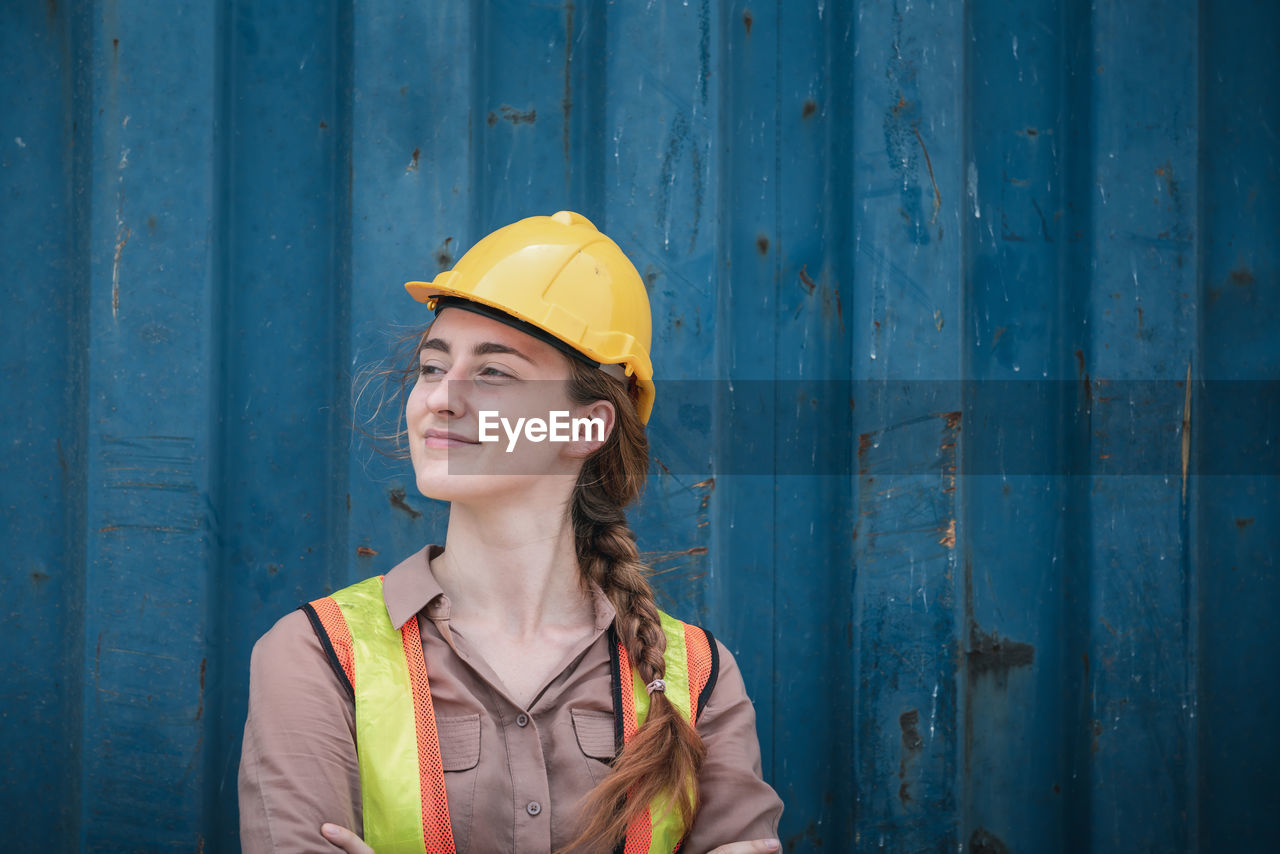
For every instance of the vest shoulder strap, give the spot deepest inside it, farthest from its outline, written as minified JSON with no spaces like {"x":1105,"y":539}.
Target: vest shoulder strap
{"x":692,"y":662}
{"x":396,"y":737}
{"x":335,"y":638}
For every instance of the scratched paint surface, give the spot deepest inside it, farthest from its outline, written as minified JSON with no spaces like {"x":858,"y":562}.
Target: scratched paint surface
{"x":953,"y":514}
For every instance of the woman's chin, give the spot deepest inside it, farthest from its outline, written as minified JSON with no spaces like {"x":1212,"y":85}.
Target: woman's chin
{"x":446,"y":486}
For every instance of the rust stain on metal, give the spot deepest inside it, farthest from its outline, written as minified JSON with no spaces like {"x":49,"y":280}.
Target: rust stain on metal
{"x":948,"y":537}
{"x":1244,"y":522}
{"x":909,"y":723}
{"x":1079,"y":361}
{"x":762,"y":244}
{"x":747,"y":20}
{"x":1095,"y":729}
{"x":517,"y":117}
{"x":413,"y":161}
{"x":444,"y":257}
{"x":937,"y":196}
{"x":952,"y":418}
{"x":365,"y":551}
{"x":396,"y":497}
{"x":122,"y":238}
{"x":810,"y":107}
{"x":805,"y":278}
{"x":1186,"y":434}
{"x":200,"y":708}
{"x":865,"y":441}
{"x":990,"y":653}
{"x":983,"y":841}
{"x":1242,"y":276}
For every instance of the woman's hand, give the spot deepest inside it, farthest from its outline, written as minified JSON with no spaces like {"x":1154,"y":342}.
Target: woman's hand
{"x":352,"y":844}
{"x":755,"y":846}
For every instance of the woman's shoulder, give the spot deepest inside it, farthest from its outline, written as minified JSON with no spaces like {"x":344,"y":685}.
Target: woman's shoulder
{"x":289,"y":638}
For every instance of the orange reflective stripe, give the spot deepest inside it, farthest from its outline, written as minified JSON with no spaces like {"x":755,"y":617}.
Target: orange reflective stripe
{"x":640,"y":830}
{"x":628,"y":698}
{"x":436,"y":830}
{"x":335,"y":626}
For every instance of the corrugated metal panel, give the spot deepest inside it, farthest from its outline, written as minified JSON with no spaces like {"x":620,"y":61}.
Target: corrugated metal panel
{"x":1031,"y":611}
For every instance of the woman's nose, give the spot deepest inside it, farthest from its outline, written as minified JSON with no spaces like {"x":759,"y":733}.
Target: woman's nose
{"x":446,"y":396}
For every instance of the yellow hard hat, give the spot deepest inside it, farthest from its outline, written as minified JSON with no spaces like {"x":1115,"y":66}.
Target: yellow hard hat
{"x":562,"y":276}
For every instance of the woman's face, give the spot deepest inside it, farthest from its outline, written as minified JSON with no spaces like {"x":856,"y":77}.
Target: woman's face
{"x":474,"y":373}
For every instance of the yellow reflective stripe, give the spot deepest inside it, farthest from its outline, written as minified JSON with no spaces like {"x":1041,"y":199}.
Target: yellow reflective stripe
{"x":668,"y":830}
{"x":386,"y":731}
{"x":677,"y":660}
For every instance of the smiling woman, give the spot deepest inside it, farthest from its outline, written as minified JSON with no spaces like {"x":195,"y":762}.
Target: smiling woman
{"x":515,"y":688}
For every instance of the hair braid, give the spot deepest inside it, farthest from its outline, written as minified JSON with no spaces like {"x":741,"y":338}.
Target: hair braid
{"x":662,"y":760}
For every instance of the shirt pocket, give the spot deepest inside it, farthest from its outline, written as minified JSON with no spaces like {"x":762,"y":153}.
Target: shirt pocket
{"x":595,"y":732}
{"x":459,"y":739}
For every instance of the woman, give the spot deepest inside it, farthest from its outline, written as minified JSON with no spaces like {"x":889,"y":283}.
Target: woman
{"x":516,"y":689}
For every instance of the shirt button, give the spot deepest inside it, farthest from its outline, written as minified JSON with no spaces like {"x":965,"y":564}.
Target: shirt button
{"x":533,"y":808}
{"x":522,"y":720}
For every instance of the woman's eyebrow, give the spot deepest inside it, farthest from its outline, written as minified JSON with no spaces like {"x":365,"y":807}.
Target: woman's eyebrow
{"x":484,"y":348}
{"x":435,"y":344}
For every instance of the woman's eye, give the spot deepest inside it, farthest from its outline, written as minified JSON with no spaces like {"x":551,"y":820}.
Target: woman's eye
{"x":492,"y":373}
{"x":430,"y":370}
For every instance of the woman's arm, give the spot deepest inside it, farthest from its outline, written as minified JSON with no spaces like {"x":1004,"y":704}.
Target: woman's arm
{"x":737,"y":804}
{"x":298,"y":764}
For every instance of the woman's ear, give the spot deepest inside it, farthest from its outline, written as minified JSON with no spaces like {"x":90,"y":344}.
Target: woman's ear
{"x":590,"y":425}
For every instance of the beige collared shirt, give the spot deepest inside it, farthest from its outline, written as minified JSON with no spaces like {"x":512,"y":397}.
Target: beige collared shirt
{"x":513,"y":774}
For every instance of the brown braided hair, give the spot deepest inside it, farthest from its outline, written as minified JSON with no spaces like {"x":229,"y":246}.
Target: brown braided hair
{"x":664,"y":756}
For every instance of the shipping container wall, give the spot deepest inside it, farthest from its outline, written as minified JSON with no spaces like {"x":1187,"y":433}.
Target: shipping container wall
{"x":967,"y":419}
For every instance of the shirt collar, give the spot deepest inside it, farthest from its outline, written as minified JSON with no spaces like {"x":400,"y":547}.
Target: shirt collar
{"x":411,"y":587}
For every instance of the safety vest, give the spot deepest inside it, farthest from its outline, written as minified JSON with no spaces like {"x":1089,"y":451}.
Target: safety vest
{"x":401,"y":773}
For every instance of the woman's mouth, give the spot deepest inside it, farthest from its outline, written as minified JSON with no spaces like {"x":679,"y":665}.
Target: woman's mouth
{"x":446,"y":439}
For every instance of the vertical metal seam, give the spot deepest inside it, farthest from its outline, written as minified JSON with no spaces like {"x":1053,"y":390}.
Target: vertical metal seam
{"x":1191,"y":508}
{"x":79,"y":131}
{"x":963,"y":618}
{"x":777,"y":301}
{"x":220,"y":310}
{"x":341,"y":559}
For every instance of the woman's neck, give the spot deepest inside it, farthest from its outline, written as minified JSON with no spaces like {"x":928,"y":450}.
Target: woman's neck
{"x":514,"y":569}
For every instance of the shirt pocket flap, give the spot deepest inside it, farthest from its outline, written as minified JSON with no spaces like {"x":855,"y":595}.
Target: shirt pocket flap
{"x":595,"y":734}
{"x":459,"y":742}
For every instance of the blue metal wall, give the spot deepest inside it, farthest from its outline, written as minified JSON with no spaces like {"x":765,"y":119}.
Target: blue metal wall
{"x":208,"y":210}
